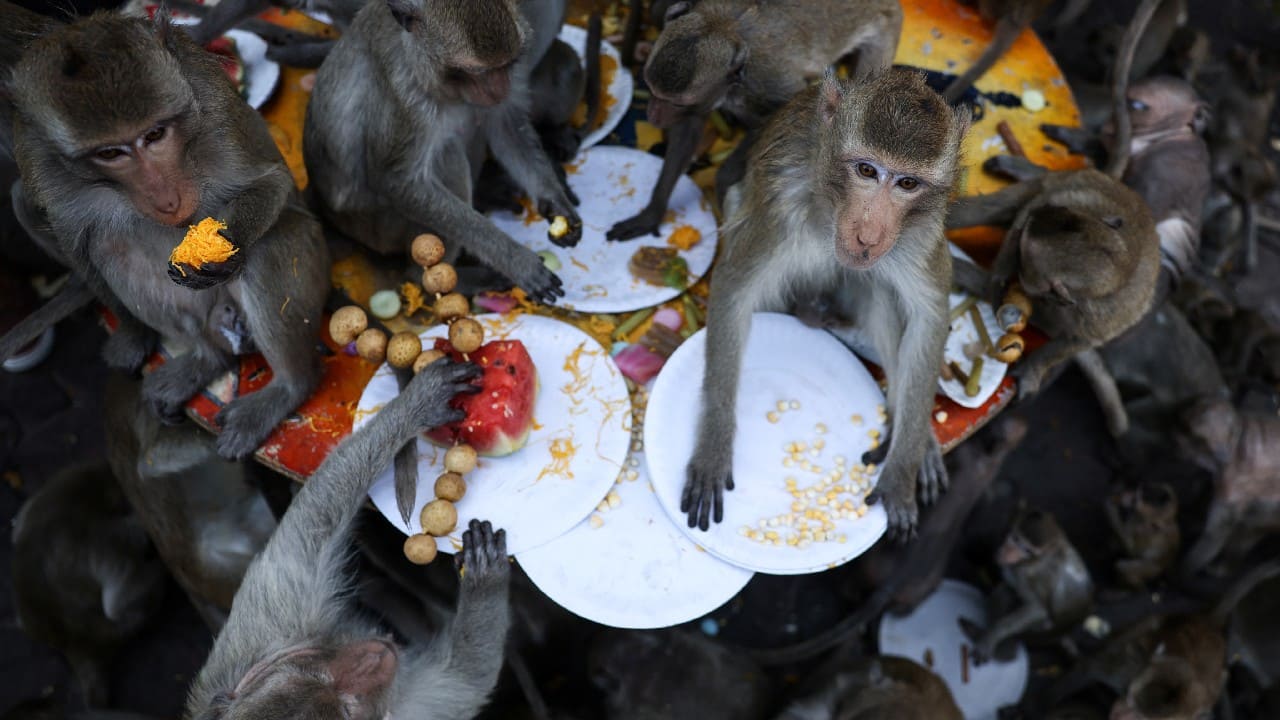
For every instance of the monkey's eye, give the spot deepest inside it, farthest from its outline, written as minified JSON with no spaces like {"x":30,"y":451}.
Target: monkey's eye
{"x":908,"y":183}
{"x":1115,"y":223}
{"x":109,"y":154}
{"x":154,"y":134}
{"x":1138,"y":106}
{"x":867,"y":170}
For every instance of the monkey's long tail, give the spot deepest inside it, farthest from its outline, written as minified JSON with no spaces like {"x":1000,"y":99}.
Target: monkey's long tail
{"x":1120,"y":86}
{"x":1006,"y":33}
{"x":69,"y":299}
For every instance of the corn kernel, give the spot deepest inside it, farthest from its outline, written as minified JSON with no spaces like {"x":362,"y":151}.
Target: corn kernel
{"x":857,"y":419}
{"x":820,"y":428}
{"x":614,"y":499}
{"x":597,"y":522}
{"x":841,"y":460}
{"x":782,"y":406}
{"x":871,"y":468}
{"x":788,"y":462}
{"x":862,"y":511}
{"x":744,"y":531}
{"x":771,"y":535}
{"x":771,"y":416}
{"x":842,"y":538}
{"x":793,"y":540}
{"x":632,"y":476}
{"x":603,"y":506}
{"x":940,"y":416}
{"x":819,"y":444}
{"x":797,"y":506}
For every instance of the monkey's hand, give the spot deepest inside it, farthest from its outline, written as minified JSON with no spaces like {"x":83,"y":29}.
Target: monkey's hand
{"x":429,"y":392}
{"x":552,"y":208}
{"x":1029,"y":375}
{"x":531,"y":275}
{"x":483,"y":560}
{"x":210,"y":274}
{"x":980,"y":649}
{"x":897,"y":488}
{"x":130,"y":346}
{"x":646,"y":222}
{"x":703,"y":498}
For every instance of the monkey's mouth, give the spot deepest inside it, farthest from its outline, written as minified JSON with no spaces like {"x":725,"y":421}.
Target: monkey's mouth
{"x":860,"y":259}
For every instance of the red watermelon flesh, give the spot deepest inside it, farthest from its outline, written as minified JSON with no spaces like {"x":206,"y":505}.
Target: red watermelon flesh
{"x":225,"y":48}
{"x":500,"y":416}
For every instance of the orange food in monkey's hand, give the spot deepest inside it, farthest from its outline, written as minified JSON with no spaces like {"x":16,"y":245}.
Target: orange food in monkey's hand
{"x":202,"y":245}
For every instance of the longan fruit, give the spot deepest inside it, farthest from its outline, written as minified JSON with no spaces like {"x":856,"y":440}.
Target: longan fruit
{"x":420,"y":549}
{"x":372,"y":345}
{"x":347,"y":323}
{"x":450,"y":486}
{"x":425,"y":358}
{"x":439,"y":517}
{"x":460,"y":459}
{"x":466,"y":335}
{"x":427,"y":250}
{"x":403,"y":349}
{"x":453,"y":305}
{"x":439,"y":278}
{"x":1009,"y":348}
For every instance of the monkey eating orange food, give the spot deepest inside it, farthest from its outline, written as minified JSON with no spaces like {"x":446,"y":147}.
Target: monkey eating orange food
{"x":202,"y":244}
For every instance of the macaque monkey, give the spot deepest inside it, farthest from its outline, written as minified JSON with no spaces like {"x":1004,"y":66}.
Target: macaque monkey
{"x":402,"y":111}
{"x":18,"y":28}
{"x":859,"y":193}
{"x":1146,"y":522}
{"x":126,"y":133}
{"x":1011,"y":18}
{"x":1240,"y":449}
{"x":876,"y":688}
{"x":1049,"y":581}
{"x":85,"y":576}
{"x":295,"y":647}
{"x":746,"y":59}
{"x":1085,"y":251}
{"x":675,"y":674}
{"x":207,"y":522}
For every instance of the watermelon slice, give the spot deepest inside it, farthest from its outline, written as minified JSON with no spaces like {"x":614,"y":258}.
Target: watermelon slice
{"x":500,"y":416}
{"x":225,"y":48}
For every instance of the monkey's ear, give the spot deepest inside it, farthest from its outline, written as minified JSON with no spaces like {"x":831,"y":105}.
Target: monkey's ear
{"x":364,"y":667}
{"x":165,"y":31}
{"x":1061,"y":291}
{"x":405,"y":13}
{"x":677,"y":9}
{"x":829,"y":96}
{"x":739,"y":62}
{"x":1200,"y":120}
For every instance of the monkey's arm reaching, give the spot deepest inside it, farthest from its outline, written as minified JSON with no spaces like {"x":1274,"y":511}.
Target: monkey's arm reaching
{"x":289,"y":590}
{"x":457,"y":673}
{"x":1032,"y":370}
{"x":437,"y":208}
{"x":682,"y":144}
{"x":997,"y":208}
{"x":223,"y":16}
{"x":516,"y":146}
{"x":1027,"y":617}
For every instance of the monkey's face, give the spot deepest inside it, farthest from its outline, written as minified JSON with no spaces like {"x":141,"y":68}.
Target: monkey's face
{"x":147,"y":165}
{"x":1031,"y":535}
{"x":1159,"y":108}
{"x":473,"y":45}
{"x":1166,"y":689}
{"x":347,"y":683}
{"x":887,"y":152}
{"x":694,"y":63}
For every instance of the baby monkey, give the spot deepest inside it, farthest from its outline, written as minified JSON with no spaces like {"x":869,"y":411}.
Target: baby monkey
{"x":847,"y":189}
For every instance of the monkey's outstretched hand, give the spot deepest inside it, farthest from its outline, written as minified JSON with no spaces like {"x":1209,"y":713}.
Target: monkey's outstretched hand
{"x":531,"y":275}
{"x":646,"y":222}
{"x":209,"y":274}
{"x":552,"y":208}
{"x":483,"y":560}
{"x":897,"y":488}
{"x":703,"y":496}
{"x":429,"y":392}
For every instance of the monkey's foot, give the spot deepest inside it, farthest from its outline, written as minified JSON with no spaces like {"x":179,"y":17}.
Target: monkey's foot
{"x":483,"y":559}
{"x":898,"y":492}
{"x":539,"y":283}
{"x":430,"y":391}
{"x":933,"y":480}
{"x":646,"y":223}
{"x":1015,"y":168}
{"x":168,"y":388}
{"x":703,"y":497}
{"x":248,"y":420}
{"x":129,"y":348}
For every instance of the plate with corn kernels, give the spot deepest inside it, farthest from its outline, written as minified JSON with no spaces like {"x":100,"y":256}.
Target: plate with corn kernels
{"x":807,"y":410}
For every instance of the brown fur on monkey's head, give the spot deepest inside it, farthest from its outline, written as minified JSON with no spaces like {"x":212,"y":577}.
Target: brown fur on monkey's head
{"x":888,"y":152}
{"x":472,"y":45}
{"x":695,"y":61}
{"x":69,"y":82}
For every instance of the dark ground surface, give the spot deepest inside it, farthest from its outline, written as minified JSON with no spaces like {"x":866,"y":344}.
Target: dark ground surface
{"x":51,"y":418}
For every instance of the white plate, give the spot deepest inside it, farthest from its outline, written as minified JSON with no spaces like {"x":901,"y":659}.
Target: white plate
{"x":637,"y":570}
{"x":620,"y":87}
{"x":784,"y":360}
{"x":962,"y":333}
{"x":933,"y":626}
{"x":614,"y":183}
{"x":528,"y":493}
{"x":260,"y":74}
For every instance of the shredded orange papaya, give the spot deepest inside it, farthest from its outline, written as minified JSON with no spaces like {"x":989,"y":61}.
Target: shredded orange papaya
{"x":413,"y":299}
{"x":201,"y":245}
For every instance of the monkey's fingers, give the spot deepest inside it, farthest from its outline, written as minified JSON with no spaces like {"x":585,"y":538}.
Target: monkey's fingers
{"x":646,"y":223}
